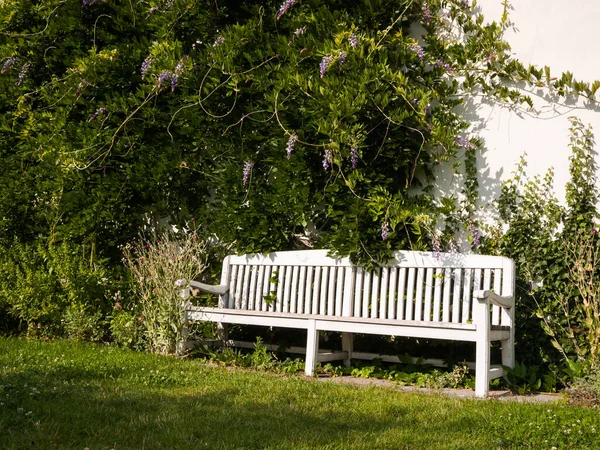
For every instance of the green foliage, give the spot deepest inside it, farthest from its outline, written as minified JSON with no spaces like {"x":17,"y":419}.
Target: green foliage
{"x":556,"y":251}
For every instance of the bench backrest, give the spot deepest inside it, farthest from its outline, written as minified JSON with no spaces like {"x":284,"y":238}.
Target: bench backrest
{"x":417,"y":286}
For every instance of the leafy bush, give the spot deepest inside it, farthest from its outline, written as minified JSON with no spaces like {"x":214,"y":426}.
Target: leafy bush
{"x":155,"y":264}
{"x":586,"y":390}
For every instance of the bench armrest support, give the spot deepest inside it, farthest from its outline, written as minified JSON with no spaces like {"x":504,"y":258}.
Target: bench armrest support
{"x":492,"y":297}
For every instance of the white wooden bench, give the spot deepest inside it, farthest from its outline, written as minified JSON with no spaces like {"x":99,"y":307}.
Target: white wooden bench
{"x":449,"y":296}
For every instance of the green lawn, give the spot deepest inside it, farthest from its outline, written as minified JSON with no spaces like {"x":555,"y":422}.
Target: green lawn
{"x":73,"y":396}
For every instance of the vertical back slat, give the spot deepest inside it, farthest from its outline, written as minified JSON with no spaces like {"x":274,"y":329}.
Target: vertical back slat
{"x":383,"y":300}
{"x":253,"y":280}
{"x":309,"y":290}
{"x":238,"y":288}
{"x":476,"y":286}
{"x":497,"y":290}
{"x":467,"y":296}
{"x":267,"y":287}
{"x":429,"y":283}
{"x":301,"y":290}
{"x":316,"y":291}
{"x":232,"y":284}
{"x":374,"y":293}
{"x":331,"y":291}
{"x":280,"y":288}
{"x":339,"y":291}
{"x":401,"y":295}
{"x":446,"y":295}
{"x":366,"y":294}
{"x":323,"y":295}
{"x":349,"y":286}
{"x":294,"y":289}
{"x":259,"y":288}
{"x":287,"y":289}
{"x":487,"y":280}
{"x":456,"y":298}
{"x":392,"y":293}
{"x":410,"y":293}
{"x":419,"y":293}
{"x":358,"y":292}
{"x":437,"y":293}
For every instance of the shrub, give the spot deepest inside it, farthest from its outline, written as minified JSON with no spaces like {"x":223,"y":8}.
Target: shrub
{"x":156,"y":263}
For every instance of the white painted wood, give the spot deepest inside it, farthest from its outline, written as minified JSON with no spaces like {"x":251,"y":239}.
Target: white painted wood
{"x":420,"y":279}
{"x":383,"y":293}
{"x":401,"y":294}
{"x":294,"y":290}
{"x":358,"y":290}
{"x":392,"y":292}
{"x":429,"y":285}
{"x":347,"y":347}
{"x":339,"y":290}
{"x":466,"y":297}
{"x":312,"y":347}
{"x":366,"y":297}
{"x":405,"y":298}
{"x":446,"y":295}
{"x":316,"y":290}
{"x":374,"y":293}
{"x":301,"y":289}
{"x":456,"y":299}
{"x":410,"y":293}
{"x":323,"y":297}
{"x":437,"y":293}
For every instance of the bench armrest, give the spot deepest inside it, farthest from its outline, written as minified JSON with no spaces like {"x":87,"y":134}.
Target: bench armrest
{"x":503,"y":302}
{"x":219,"y":289}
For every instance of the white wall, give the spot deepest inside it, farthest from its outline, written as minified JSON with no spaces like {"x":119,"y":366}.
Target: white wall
{"x":564,"y":36}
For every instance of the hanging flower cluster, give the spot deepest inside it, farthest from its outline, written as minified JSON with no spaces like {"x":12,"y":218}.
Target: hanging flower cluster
{"x":247,"y":170}
{"x":290,"y":145}
{"x":284,"y":8}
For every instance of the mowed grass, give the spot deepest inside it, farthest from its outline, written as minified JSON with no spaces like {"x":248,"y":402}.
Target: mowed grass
{"x":76,"y":396}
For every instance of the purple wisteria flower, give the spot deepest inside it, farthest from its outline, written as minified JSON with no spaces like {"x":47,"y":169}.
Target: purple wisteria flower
{"x":81,"y":86}
{"x":353,"y":40}
{"x":464,"y":142}
{"x":465,"y":4}
{"x":284,"y":8}
{"x":299,"y":31}
{"x":385,"y":230}
{"x":174,"y":81}
{"x":474,"y":234}
{"x":218,"y":41}
{"x":426,"y":13}
{"x":446,"y":66}
{"x":354,"y":156}
{"x":23,"y":72}
{"x":8,"y":64}
{"x":327,"y":158}
{"x":88,"y":2}
{"x":99,"y":112}
{"x":341,"y":58}
{"x":146,"y":65}
{"x":436,"y":246}
{"x":324,"y":64}
{"x":152,"y":11}
{"x":164,"y":76}
{"x":418,"y":50}
{"x":290,"y":145}
{"x":248,"y":165}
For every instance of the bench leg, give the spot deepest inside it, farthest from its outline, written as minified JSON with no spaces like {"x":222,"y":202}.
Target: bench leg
{"x":482,"y":349}
{"x":222,"y":332}
{"x":312,"y":348}
{"x":348,"y":346}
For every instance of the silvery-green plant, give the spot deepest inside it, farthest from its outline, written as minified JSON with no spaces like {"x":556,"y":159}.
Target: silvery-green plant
{"x":156,"y":263}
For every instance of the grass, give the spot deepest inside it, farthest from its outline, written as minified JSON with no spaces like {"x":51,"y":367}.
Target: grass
{"x":74,"y":396}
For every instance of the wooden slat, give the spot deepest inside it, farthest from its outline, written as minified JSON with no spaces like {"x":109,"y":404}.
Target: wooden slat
{"x":309,"y":289}
{"x":437,"y":294}
{"x":383,"y":291}
{"x":358,"y":291}
{"x":316,"y":290}
{"x":446,"y":295}
{"x":366,"y":294}
{"x":331,"y":291}
{"x":287,"y":290}
{"x":232,"y":284}
{"x":456,"y":299}
{"x":339,"y":291}
{"x":252,"y":293}
{"x":392,"y":293}
{"x":410,"y":294}
{"x":267,"y":286}
{"x":476,"y":286}
{"x":374,"y":293}
{"x":323,"y":295}
{"x":467,"y":296}
{"x":401,"y":294}
{"x":420,"y":279}
{"x":238,"y":288}
{"x":349,"y":280}
{"x":294,"y":289}
{"x":280,"y":287}
{"x":259,"y":288}
{"x":301,"y":289}
{"x":497,"y":290}
{"x":429,"y":284}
